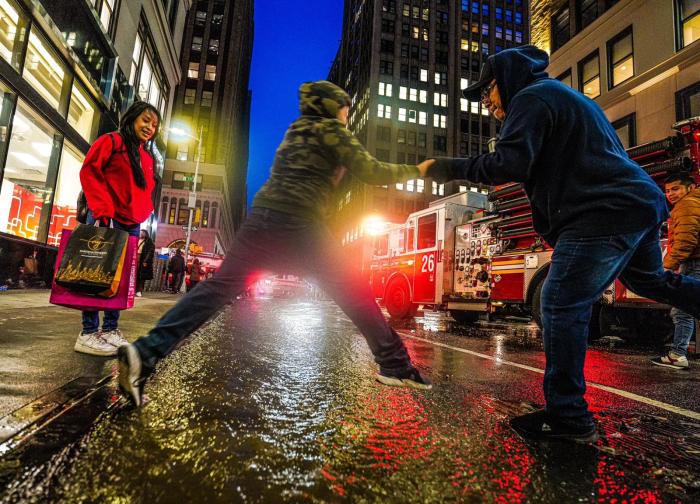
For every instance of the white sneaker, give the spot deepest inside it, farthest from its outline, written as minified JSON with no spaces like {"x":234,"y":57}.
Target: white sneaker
{"x":138,"y":294}
{"x":114,"y":338}
{"x":93,"y":344}
{"x":671,"y":360}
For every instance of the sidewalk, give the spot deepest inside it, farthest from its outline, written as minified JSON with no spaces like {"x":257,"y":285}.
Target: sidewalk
{"x":37,"y":355}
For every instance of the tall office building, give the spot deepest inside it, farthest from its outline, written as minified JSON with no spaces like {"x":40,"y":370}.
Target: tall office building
{"x":213,"y":98}
{"x":67,"y":71}
{"x":404,"y":63}
{"x":638,"y":59}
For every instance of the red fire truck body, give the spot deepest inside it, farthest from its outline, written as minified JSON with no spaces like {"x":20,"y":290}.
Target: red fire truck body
{"x":471,"y":257}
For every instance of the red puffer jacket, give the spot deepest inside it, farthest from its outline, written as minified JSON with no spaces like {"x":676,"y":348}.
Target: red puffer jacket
{"x":109,"y":185}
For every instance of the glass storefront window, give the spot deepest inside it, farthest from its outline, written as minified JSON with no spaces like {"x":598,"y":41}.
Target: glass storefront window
{"x":81,"y":113}
{"x":64,"y":207}
{"x":25,"y":185}
{"x":135,"y":57}
{"x":145,"y":78}
{"x":43,"y":70}
{"x":12,"y":33}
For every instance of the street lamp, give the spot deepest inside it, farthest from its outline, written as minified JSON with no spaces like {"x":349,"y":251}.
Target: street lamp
{"x":192,"y":200}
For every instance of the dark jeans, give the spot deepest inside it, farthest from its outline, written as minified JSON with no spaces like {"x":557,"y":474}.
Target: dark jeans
{"x":279,"y":242}
{"x":110,"y":322}
{"x":684,"y":322}
{"x":581,"y":269}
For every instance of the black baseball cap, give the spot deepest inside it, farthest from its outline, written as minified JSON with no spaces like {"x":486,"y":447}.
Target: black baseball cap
{"x":473,"y":92}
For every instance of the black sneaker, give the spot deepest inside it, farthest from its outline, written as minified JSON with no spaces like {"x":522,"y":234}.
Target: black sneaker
{"x":131,"y":375}
{"x":410,"y":378}
{"x":541,"y":425}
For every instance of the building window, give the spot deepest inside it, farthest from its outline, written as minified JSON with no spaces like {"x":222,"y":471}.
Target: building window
{"x":190,"y":94}
{"x":29,"y":175}
{"x":200,"y":18}
{"x":12,"y":33}
{"x":197,"y":44}
{"x":403,"y":93}
{"x":193,"y":70}
{"x":43,"y":70}
{"x":214,"y":46}
{"x":81,"y":112}
{"x":213,"y":216}
{"x":412,"y":116}
{"x":440,"y":143}
{"x":402,"y":114}
{"x":207,"y":97}
{"x":385,"y":89}
{"x":106,"y":10}
{"x":135,"y":59}
{"x":386,"y":67}
{"x":422,"y":140}
{"x":210,"y":72}
{"x":64,"y":206}
{"x":164,"y":210}
{"x":688,"y":102}
{"x":440,"y":99}
{"x":423,"y":75}
{"x":566,"y":78}
{"x":383,"y":134}
{"x":401,"y":138}
{"x":386,"y":46}
{"x":589,"y":75}
{"x":439,"y":121}
{"x":586,"y":12}
{"x":182,"y":152}
{"x":183,"y":212}
{"x":422,"y":118}
{"x":626,"y":131}
{"x":560,"y":29}
{"x":205,"y":214}
{"x":384,"y":111}
{"x":420,"y":185}
{"x":620,"y":58}
{"x":688,"y":21}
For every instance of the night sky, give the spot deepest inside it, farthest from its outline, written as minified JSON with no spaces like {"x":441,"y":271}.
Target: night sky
{"x":294,"y":42}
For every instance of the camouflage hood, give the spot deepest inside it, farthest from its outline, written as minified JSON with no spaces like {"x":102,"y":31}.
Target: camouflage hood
{"x":322,"y":99}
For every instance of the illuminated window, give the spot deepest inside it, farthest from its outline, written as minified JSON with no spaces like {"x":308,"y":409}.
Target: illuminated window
{"x":12,"y":33}
{"x":464,"y":105}
{"x":135,"y":58}
{"x":589,"y":75}
{"x":410,"y":185}
{"x":464,"y":44}
{"x":403,"y":92}
{"x":423,"y":75}
{"x":384,"y":111}
{"x":566,"y":78}
{"x":423,"y":96}
{"x":439,"y":121}
{"x":214,"y":46}
{"x":413,"y":94}
{"x":25,"y":184}
{"x":402,"y":114}
{"x":64,"y":206}
{"x":688,"y":21}
{"x":463,"y":188}
{"x":145,"y":77}
{"x":399,"y":186}
{"x":422,"y":118}
{"x":196,"y":43}
{"x":106,"y":12}
{"x":440,"y":99}
{"x":463,"y":83}
{"x":81,"y":112}
{"x":210,"y":72}
{"x":420,"y":185}
{"x":621,"y":58}
{"x":43,"y":70}
{"x":385,"y":89}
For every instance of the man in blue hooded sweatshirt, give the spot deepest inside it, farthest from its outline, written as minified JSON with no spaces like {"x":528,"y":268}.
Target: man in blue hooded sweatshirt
{"x":599,"y":210}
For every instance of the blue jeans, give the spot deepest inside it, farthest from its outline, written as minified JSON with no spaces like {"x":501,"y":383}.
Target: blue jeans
{"x":278,"y":242}
{"x":580,"y":271}
{"x":684,"y":322}
{"x":110,"y":322}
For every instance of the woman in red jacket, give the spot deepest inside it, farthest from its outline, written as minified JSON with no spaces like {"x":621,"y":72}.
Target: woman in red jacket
{"x":118,"y":181}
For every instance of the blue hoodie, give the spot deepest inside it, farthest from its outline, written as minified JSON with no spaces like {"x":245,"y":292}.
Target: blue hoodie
{"x":558,"y":142}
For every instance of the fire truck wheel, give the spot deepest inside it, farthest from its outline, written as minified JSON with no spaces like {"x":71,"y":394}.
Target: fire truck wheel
{"x":464,"y":317}
{"x":537,"y":304}
{"x":398,"y":300}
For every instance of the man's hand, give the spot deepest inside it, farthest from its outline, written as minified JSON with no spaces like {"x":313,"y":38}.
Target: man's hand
{"x":424,"y":166}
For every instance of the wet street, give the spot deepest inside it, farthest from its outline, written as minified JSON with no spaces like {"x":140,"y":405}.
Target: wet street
{"x":276,"y":402}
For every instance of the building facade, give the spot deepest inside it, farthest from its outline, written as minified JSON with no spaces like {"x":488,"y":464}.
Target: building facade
{"x":638,"y":59}
{"x":213,"y":98}
{"x":404,"y":64}
{"x":67,"y":70}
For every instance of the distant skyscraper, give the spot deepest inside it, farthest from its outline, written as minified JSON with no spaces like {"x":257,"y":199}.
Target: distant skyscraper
{"x":404,"y":64}
{"x":214,"y":95}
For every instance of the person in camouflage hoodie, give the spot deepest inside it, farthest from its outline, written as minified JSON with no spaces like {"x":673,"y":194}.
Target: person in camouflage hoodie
{"x":286,"y":233}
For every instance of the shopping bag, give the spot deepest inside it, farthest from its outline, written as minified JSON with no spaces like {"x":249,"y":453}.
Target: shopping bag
{"x":93,"y":260}
{"x":124,"y":298}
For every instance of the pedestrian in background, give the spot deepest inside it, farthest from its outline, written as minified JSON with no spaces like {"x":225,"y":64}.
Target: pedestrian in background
{"x":146,"y":253}
{"x":286,"y":233}
{"x":196,"y":274}
{"x":684,"y":256}
{"x":118,"y":180}
{"x":599,"y":210}
{"x":176,"y":268}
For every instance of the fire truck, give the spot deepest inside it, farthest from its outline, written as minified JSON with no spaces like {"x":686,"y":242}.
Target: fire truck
{"x":479,"y":256}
